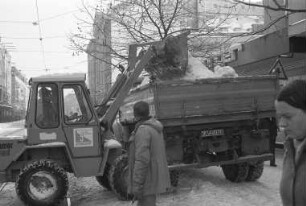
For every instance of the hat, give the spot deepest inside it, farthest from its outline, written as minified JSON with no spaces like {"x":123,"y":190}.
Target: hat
{"x":294,"y":94}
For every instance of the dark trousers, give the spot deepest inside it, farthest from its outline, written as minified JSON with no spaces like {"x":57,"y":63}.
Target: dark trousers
{"x":147,"y":200}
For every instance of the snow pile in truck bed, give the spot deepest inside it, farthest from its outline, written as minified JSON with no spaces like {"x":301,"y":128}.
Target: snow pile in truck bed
{"x":225,"y":71}
{"x":197,"y":70}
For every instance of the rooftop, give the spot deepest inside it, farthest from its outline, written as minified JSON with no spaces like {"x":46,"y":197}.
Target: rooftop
{"x":60,"y":77}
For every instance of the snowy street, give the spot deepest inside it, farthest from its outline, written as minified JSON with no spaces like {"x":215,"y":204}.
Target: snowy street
{"x":197,"y":187}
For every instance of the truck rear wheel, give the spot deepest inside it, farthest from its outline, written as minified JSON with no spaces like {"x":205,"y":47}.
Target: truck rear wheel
{"x":103,"y":180}
{"x":118,"y":177}
{"x":174,"y":177}
{"x":42,"y":183}
{"x":255,"y":171}
{"x":236,"y":172}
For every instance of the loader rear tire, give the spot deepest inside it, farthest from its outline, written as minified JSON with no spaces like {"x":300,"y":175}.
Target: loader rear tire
{"x":118,"y":177}
{"x":103,"y":180}
{"x":236,"y":172}
{"x":255,"y":171}
{"x":42,"y":182}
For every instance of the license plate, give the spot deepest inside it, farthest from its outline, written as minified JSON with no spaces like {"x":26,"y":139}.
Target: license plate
{"x":213,"y":132}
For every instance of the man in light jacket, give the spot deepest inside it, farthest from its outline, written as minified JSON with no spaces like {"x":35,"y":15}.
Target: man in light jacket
{"x":148,"y":168}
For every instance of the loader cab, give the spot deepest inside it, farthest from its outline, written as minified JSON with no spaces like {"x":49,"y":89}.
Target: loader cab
{"x":60,"y":110}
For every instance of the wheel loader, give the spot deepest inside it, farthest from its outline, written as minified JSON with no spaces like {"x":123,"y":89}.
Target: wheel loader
{"x":66,"y":133}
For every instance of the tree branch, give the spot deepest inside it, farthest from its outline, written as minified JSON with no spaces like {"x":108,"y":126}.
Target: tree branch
{"x":277,"y":8}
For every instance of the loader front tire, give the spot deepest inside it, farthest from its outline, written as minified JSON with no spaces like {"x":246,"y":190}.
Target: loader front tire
{"x":118,"y":177}
{"x":42,"y":182}
{"x":236,"y":172}
{"x":103,"y":180}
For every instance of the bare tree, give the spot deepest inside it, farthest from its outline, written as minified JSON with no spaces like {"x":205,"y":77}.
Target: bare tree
{"x":134,"y":21}
{"x":275,"y":6}
{"x":138,"y":21}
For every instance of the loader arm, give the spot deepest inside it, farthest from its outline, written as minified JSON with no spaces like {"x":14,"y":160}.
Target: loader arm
{"x":126,"y":80}
{"x":122,"y":86}
{"x":122,"y":78}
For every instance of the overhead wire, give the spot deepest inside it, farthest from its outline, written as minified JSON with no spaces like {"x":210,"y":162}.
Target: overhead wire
{"x":46,"y":51}
{"x":64,"y":67}
{"x":58,"y":15}
{"x":30,"y":38}
{"x":17,"y":22}
{"x":44,"y":19}
{"x":40,"y":36}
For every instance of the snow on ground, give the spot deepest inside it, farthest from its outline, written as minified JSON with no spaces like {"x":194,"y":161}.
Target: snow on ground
{"x":197,"y":187}
{"x":15,"y":124}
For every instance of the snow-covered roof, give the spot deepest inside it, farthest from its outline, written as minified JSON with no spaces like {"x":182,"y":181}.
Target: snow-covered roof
{"x":68,"y":77}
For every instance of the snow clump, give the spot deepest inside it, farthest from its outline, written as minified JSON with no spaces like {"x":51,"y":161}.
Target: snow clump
{"x":197,"y":70}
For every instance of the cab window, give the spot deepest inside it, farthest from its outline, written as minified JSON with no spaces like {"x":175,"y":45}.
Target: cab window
{"x":76,"y":108}
{"x":47,"y":106}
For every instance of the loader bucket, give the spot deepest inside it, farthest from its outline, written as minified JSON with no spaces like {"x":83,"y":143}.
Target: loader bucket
{"x":171,"y":58}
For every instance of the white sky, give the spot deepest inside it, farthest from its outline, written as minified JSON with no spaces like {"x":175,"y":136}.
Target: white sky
{"x":58,"y":19}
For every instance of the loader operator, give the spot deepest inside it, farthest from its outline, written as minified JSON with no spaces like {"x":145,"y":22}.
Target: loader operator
{"x":47,"y":115}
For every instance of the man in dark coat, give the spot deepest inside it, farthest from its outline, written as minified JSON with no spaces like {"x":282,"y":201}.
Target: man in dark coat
{"x":148,"y":169}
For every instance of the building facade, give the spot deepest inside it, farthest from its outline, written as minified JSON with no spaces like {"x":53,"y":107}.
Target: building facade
{"x":20,"y":94}
{"x":221,"y":20}
{"x":223,"y":16}
{"x":99,"y":58}
{"x":13,"y":89}
{"x":5,"y":84}
{"x":283,"y":43}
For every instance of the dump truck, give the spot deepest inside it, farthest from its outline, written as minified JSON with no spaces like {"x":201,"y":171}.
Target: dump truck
{"x":226,"y":122}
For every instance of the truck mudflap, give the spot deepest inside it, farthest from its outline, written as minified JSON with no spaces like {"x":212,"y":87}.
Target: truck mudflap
{"x":248,"y":158}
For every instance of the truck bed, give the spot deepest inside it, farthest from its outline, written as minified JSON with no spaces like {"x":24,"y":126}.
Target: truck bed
{"x":202,"y":101}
